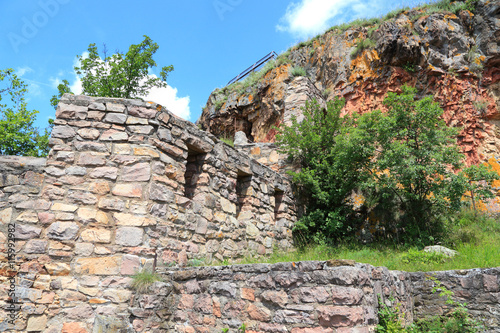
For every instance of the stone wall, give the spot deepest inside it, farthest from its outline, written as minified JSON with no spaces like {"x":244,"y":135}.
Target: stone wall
{"x":296,"y":297}
{"x":127,"y":186}
{"x":479,"y":288}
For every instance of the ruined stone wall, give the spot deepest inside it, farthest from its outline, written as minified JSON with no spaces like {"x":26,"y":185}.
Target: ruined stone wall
{"x":478,"y":288}
{"x":127,"y":185}
{"x":296,"y":297}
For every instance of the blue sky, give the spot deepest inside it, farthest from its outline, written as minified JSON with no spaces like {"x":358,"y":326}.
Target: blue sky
{"x":208,"y":42}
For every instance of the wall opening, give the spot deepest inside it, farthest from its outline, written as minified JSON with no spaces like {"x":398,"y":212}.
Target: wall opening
{"x":244,"y":192}
{"x":278,"y":203}
{"x":192,"y":176}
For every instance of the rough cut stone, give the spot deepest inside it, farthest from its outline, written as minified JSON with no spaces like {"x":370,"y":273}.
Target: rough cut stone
{"x":111,"y":204}
{"x":161,"y":192}
{"x":128,"y":190}
{"x":89,"y":159}
{"x":104,"y":172}
{"x":142,"y":112}
{"x":139,"y":172}
{"x":26,"y":232}
{"x":63,"y":230}
{"x":240,"y":138}
{"x":441,"y":250}
{"x":113,"y":135}
{"x":116,"y":118}
{"x":129,"y":236}
{"x":98,"y":266}
{"x":36,"y":323}
{"x":89,"y":133}
{"x":115,"y":107}
{"x":95,"y":235}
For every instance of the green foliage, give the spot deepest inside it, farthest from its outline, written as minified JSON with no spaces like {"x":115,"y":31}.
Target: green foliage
{"x":403,"y":161}
{"x":415,"y":165}
{"x":18,"y":136}
{"x":457,"y":320}
{"x":227,"y":140}
{"x":331,"y":159}
{"x":362,"y":45}
{"x":119,"y":75}
{"x":142,"y":280}
{"x":389,"y":320}
{"x":63,"y":88}
{"x":409,"y":67}
{"x":415,"y":256}
{"x":297,"y":71}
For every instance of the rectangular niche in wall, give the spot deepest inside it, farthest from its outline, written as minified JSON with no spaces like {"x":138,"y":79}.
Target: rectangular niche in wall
{"x":194,"y":177}
{"x":278,"y":203}
{"x":244,"y":192}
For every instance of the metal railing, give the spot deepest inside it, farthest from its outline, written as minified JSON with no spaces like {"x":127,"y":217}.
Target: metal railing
{"x":269,"y":56}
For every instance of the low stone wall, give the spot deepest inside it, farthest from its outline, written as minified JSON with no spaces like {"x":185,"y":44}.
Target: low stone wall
{"x":126,"y":186}
{"x":313,"y":296}
{"x":478,"y":288}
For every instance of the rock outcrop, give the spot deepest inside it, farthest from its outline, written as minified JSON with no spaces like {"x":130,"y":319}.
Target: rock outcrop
{"x":454,"y":57}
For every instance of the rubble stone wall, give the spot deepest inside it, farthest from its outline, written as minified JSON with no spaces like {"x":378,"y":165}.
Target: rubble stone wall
{"x":296,"y":297}
{"x":126,"y":186}
{"x":478,"y":288}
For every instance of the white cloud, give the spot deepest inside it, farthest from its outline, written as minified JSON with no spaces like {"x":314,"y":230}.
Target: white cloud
{"x":23,"y":70}
{"x":310,"y":17}
{"x":168,"y":98}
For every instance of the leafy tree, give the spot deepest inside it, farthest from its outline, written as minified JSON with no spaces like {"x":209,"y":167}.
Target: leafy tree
{"x":416,"y":165}
{"x":18,"y":136}
{"x":119,"y":75}
{"x":405,"y":162}
{"x":330,"y":158}
{"x":63,"y":88}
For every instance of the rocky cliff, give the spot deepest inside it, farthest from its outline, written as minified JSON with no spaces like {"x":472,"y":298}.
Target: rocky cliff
{"x":450,"y":51}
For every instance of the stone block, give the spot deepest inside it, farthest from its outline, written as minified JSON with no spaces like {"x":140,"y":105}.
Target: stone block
{"x":104,"y":172}
{"x":57,"y":206}
{"x":136,"y":173}
{"x":340,"y":316}
{"x":96,"y":235}
{"x":142,"y":112}
{"x":90,"y":159}
{"x":115,"y":107}
{"x":89,"y":133}
{"x":36,"y":323}
{"x":98,"y":266}
{"x":161,"y":192}
{"x":26,"y":231}
{"x":63,"y":230}
{"x":129,"y":236}
{"x":113,"y":135}
{"x":111,"y":204}
{"x":141,"y":129}
{"x":128,"y":190}
{"x":115,"y":118}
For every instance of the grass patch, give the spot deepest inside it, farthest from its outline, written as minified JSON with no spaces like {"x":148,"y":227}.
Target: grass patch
{"x":227,"y":140}
{"x":474,"y":236}
{"x":142,"y":280}
{"x":297,"y":71}
{"x":362,"y":45}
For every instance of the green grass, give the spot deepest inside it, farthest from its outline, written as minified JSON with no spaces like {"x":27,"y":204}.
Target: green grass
{"x":227,"y":140}
{"x":297,"y":71}
{"x":476,"y":238}
{"x":142,"y":280}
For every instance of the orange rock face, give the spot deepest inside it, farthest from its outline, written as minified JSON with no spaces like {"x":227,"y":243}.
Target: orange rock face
{"x":452,"y":57}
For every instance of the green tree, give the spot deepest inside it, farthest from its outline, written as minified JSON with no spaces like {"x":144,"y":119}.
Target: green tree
{"x":63,"y":88}
{"x":417,"y":163}
{"x":331,"y":158}
{"x":405,"y":162}
{"x":18,"y":136}
{"x":118,"y":75}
